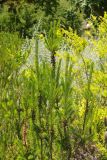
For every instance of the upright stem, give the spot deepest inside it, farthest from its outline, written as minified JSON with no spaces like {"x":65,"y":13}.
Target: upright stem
{"x":36,"y":58}
{"x":51,"y":142}
{"x":40,"y":121}
{"x":86,"y":112}
{"x":53,"y":62}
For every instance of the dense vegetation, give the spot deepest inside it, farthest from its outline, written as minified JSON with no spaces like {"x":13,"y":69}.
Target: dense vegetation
{"x":53,"y":80}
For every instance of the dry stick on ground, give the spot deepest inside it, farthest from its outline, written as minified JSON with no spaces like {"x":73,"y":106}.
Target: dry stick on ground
{"x":24,"y":133}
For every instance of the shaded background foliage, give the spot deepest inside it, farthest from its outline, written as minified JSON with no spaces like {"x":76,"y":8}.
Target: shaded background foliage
{"x":24,"y":15}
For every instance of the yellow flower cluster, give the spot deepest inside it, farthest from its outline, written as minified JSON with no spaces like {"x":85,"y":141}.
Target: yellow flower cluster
{"x":76,"y":43}
{"x":58,"y":32}
{"x":27,"y":73}
{"x":41,"y":36}
{"x":99,"y":83}
{"x":103,"y":25}
{"x":101,"y":43}
{"x":63,"y":55}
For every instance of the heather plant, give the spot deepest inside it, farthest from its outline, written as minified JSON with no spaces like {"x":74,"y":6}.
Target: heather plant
{"x":54,"y":107}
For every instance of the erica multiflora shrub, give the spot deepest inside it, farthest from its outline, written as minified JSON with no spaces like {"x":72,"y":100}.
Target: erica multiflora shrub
{"x":54,"y":107}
